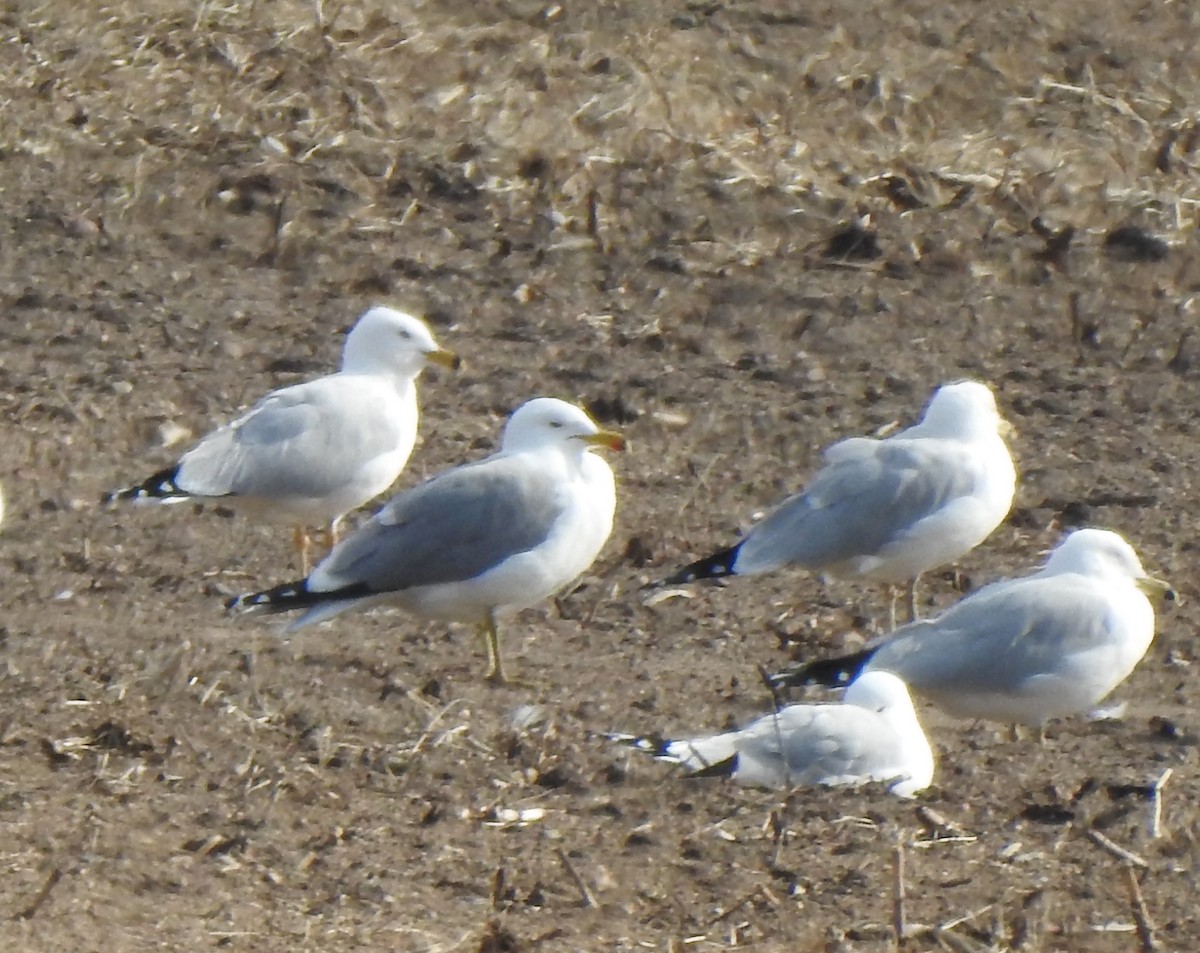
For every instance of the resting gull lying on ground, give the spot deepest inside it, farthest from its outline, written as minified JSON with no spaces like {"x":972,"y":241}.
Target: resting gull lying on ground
{"x":873,"y":735}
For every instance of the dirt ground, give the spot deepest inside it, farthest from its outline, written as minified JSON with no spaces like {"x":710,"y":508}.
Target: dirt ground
{"x":738,"y":231}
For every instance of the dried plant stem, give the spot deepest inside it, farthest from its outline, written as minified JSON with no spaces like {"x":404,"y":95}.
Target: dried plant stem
{"x":899,"y":917}
{"x":499,"y":885}
{"x":1126,"y":856}
{"x":34,"y":905}
{"x":585,"y":892}
{"x":1145,"y":929}
{"x":735,"y":906}
{"x":1157,"y":803}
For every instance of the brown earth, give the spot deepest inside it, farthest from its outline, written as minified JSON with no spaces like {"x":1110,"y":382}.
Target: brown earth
{"x":740,"y":231}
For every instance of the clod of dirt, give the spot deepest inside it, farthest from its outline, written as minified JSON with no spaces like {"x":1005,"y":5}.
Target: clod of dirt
{"x":1116,"y":792}
{"x":1058,"y":243}
{"x":853,"y":243}
{"x":290,"y":365}
{"x":533,"y":166}
{"x":498,"y":939}
{"x":1163,"y":729}
{"x":555,"y":776}
{"x":638,"y":553}
{"x":433,"y":813}
{"x":449,"y":184}
{"x":670,"y":264}
{"x":50,"y":749}
{"x":111,"y":736}
{"x":1131,"y":243}
{"x":898,"y":189}
{"x":1048,"y":813}
{"x":613,"y":410}
{"x":1075,"y":513}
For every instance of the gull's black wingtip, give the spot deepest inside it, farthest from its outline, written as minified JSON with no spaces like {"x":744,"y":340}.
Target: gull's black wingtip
{"x":282,"y":598}
{"x":161,"y":486}
{"x":659,"y":747}
{"x":834,"y":672}
{"x":653,"y":745}
{"x":716,"y":566}
{"x":291,"y":596}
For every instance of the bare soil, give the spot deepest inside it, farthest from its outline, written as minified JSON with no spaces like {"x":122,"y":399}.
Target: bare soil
{"x":737,"y":230}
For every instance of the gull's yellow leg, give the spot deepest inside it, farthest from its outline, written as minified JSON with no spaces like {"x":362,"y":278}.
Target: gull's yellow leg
{"x":326,"y":539}
{"x":304,"y":544}
{"x":491,"y":643}
{"x":491,"y":640}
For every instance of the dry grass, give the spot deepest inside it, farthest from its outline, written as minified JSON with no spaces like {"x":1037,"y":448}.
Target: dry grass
{"x":538,"y":105}
{"x":633,"y":202}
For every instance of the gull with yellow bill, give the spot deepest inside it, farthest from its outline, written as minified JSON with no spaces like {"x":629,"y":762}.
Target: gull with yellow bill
{"x":479,"y":541}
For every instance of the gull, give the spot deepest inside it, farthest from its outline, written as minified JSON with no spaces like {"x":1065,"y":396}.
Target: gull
{"x":1024,"y":650}
{"x":478,"y":541}
{"x":890,"y":509}
{"x":873,"y":735}
{"x":312,"y":452}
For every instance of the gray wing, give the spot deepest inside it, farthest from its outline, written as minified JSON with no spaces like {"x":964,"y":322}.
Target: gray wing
{"x":302,"y":441}
{"x":450,"y":529}
{"x":817,"y":744}
{"x":859,"y":503}
{"x":1005,"y":634}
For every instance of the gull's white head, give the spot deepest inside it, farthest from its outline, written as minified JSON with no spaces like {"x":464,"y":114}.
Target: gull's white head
{"x":387,"y":340}
{"x":879,"y":691}
{"x":887,"y":694}
{"x":963,"y":409}
{"x":547,"y":421}
{"x":1105,"y":555}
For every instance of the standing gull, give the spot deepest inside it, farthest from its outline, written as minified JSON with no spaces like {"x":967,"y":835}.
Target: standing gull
{"x":889,"y":509}
{"x":481,"y":540}
{"x":312,"y":452}
{"x":1022,"y":650}
{"x":873,"y":735}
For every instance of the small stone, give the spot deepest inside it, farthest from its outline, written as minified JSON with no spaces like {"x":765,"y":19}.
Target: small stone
{"x":171,"y":433}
